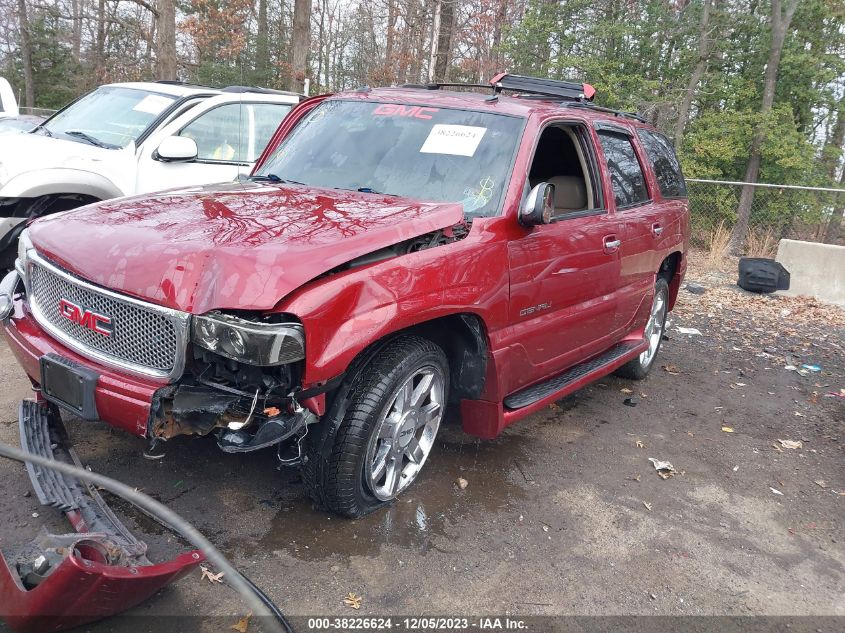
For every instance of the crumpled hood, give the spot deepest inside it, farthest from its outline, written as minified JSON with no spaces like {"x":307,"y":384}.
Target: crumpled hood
{"x":229,"y":246}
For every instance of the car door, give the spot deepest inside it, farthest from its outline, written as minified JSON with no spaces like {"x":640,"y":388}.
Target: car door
{"x":229,"y":137}
{"x":635,"y":212}
{"x":563,"y":279}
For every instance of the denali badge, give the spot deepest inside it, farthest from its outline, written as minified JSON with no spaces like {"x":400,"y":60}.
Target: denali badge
{"x":81,"y":315}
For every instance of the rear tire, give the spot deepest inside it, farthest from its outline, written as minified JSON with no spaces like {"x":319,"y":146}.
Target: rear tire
{"x":639,"y":367}
{"x":395,"y":408}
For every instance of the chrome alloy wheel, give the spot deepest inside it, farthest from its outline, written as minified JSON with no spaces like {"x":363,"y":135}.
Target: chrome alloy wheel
{"x":654,"y":327}
{"x":405,"y":433}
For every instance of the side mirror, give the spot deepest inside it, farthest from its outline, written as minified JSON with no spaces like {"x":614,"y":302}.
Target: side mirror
{"x":176,"y":149}
{"x":539,"y":206}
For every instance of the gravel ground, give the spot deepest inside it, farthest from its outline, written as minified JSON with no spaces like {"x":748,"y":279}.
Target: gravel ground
{"x":563,"y":514}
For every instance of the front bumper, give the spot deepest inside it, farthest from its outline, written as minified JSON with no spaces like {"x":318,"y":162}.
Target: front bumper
{"x":62,"y":581}
{"x":122,"y":401}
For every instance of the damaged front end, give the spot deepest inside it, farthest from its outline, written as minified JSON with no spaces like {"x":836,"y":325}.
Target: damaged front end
{"x":240,"y":386}
{"x":60,"y":581}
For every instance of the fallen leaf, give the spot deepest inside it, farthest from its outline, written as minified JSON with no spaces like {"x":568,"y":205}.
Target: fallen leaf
{"x":820,"y":482}
{"x":728,"y":429}
{"x":639,"y":444}
{"x":793,"y":444}
{"x":554,"y":407}
{"x":206,"y":573}
{"x":626,"y":390}
{"x":647,"y":506}
{"x":462,"y":483}
{"x":272,"y":412}
{"x":242,"y":624}
{"x":351,"y":600}
{"x":671,"y":369}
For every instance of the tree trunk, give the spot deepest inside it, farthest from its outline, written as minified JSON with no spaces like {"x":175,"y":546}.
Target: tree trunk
{"x":26,"y":54}
{"x":834,"y":151}
{"x":76,"y":47}
{"x":300,"y":44}
{"x":444,"y":40}
{"x":435,"y":37}
{"x":780,"y":25}
{"x":166,"y":40}
{"x":704,"y":50}
{"x":262,"y":43}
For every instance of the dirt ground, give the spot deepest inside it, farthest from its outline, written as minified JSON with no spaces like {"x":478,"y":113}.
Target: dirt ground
{"x":563,"y":514}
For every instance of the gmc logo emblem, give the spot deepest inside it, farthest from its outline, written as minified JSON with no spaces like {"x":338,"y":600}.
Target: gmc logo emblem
{"x":99,"y":323}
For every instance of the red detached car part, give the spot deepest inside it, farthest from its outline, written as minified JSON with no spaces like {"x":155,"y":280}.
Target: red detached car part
{"x":61,"y":581}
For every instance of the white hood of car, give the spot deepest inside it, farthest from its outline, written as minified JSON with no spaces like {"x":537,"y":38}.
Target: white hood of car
{"x":22,"y":153}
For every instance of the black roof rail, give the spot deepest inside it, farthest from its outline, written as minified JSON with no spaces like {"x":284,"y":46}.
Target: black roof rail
{"x":176,"y":82}
{"x":621,"y":113}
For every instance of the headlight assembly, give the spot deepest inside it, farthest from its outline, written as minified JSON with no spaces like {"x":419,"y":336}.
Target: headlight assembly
{"x":251,"y":342}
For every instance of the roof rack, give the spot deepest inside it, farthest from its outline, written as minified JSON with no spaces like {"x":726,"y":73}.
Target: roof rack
{"x":544,"y":87}
{"x":570,"y":93}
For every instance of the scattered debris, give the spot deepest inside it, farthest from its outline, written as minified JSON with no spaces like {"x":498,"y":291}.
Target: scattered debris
{"x":242,"y":624}
{"x":689,"y":330}
{"x":272,"y":412}
{"x":793,"y":444}
{"x":630,"y":402}
{"x":821,"y":483}
{"x":351,"y":600}
{"x":647,"y":506}
{"x":728,"y":429}
{"x":696,"y":289}
{"x":813,"y":368}
{"x":212,"y":578}
{"x":639,"y":444}
{"x":461,"y":483}
{"x":652,"y":596}
{"x":664,"y":469}
{"x":735,"y":468}
{"x":34,"y":515}
{"x":790,"y":368}
{"x":776,"y":491}
{"x":545,"y":528}
{"x":671,"y":369}
{"x":626,"y":390}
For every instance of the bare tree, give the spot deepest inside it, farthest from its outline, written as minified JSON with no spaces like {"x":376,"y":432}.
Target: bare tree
{"x":166,"y":40}
{"x":300,"y":44}
{"x":26,"y":55}
{"x":444,"y":39}
{"x":705,"y":49}
{"x":780,"y":22}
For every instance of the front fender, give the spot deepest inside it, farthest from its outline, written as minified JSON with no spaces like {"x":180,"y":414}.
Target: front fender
{"x":345,"y":313}
{"x":60,"y":180}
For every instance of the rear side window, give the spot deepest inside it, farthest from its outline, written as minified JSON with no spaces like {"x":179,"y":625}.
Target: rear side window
{"x":666,"y":166}
{"x":626,"y":174}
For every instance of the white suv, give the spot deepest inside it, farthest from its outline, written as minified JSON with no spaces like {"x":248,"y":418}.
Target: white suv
{"x":130,"y":138}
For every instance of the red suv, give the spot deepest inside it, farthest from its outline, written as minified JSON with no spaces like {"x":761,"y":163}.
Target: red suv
{"x":395,"y":251}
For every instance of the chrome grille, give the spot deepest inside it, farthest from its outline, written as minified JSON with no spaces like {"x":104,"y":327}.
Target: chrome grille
{"x":146,"y":338}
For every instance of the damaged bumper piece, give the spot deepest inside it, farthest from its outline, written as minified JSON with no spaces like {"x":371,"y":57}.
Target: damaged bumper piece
{"x":61,"y":581}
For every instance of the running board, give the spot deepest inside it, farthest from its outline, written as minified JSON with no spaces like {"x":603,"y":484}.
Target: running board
{"x":535,"y":393}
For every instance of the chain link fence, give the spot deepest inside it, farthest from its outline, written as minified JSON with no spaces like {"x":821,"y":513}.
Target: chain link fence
{"x":778,"y":211}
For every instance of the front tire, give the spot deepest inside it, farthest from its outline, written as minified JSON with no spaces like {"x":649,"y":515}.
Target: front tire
{"x":639,"y":367}
{"x":388,"y":430}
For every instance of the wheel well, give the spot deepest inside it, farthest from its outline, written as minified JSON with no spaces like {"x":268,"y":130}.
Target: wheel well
{"x":463,"y":339}
{"x":668,"y":269}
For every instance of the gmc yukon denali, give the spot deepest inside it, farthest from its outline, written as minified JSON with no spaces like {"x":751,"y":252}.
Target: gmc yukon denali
{"x":395,"y":251}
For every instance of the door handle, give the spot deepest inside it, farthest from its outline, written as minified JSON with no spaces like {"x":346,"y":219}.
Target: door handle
{"x":611,"y":243}
{"x":656,"y":229}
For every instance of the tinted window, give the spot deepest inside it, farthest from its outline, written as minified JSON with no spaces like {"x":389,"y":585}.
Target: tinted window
{"x":625,"y":172}
{"x":667,"y":169}
{"x":425,"y":153}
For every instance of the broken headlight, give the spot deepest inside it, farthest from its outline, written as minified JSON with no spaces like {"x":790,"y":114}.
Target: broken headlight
{"x":251,"y":342}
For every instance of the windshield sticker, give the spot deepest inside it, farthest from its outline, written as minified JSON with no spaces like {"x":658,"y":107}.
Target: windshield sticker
{"x":477,"y":198}
{"x":395,"y":109}
{"x":152,"y":104}
{"x":455,"y":140}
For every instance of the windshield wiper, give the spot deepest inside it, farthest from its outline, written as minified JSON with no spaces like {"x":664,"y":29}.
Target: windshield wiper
{"x":274,"y":178}
{"x":90,"y":139}
{"x":42,"y":128}
{"x":367,"y":190}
